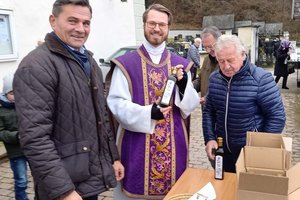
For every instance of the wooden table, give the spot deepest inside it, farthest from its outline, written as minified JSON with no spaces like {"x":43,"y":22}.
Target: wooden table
{"x":192,"y":180}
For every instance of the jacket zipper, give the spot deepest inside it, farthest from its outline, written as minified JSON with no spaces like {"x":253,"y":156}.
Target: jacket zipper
{"x":226,"y":113}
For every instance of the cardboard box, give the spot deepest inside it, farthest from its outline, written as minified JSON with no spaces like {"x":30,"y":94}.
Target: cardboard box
{"x":267,"y":151}
{"x":264,"y":170}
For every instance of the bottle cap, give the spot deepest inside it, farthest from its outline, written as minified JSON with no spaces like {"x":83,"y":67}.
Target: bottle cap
{"x":220,"y":139}
{"x":174,"y":70}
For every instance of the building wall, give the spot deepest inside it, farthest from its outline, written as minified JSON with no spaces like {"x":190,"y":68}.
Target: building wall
{"x":139,"y":8}
{"x":114,"y":24}
{"x":248,"y":37}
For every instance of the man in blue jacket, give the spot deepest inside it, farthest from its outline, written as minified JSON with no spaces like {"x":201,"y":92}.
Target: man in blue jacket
{"x":241,"y":97}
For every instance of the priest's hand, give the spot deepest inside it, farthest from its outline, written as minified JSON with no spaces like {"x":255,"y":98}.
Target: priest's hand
{"x":180,"y":72}
{"x":164,"y":111}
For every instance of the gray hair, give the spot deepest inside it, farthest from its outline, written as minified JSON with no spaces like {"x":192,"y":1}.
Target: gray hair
{"x":225,"y":41}
{"x":197,"y":40}
{"x":58,"y":4}
{"x":211,"y":30}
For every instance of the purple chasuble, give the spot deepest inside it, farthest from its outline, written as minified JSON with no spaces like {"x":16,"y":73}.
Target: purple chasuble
{"x":153,"y":162}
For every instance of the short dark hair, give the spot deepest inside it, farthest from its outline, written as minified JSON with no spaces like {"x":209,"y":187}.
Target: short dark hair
{"x":159,"y":8}
{"x":58,"y":4}
{"x":213,"y":30}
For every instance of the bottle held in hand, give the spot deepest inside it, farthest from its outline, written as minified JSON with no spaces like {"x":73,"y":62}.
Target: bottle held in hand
{"x":169,"y":88}
{"x":219,"y":160}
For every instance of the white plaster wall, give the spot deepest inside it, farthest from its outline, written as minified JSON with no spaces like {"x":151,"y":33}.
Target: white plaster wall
{"x":31,"y":23}
{"x":114,"y":24}
{"x":247,"y":36}
{"x":139,"y":8}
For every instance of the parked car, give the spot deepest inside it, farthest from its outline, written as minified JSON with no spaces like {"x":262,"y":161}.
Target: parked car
{"x":105,"y":63}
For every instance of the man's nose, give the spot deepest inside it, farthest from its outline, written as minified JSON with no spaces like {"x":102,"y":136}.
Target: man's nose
{"x":157,"y":27}
{"x":79,"y":27}
{"x":227,"y":65}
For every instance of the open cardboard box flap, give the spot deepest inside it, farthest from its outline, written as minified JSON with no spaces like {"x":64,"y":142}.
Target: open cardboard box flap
{"x":264,"y":157}
{"x":272,"y":151}
{"x":280,"y":185}
{"x":261,"y":139}
{"x":270,"y":186}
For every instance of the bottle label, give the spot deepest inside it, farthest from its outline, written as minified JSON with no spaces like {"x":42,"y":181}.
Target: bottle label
{"x":168,"y":92}
{"x":219,"y":167}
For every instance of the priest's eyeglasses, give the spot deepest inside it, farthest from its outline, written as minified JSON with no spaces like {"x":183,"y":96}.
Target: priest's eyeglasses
{"x":152,"y":25}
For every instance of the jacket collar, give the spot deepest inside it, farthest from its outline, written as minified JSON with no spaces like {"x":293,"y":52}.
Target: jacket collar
{"x":56,"y":46}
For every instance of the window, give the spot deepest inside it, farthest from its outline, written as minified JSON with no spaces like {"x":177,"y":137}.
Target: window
{"x":8,"y":49}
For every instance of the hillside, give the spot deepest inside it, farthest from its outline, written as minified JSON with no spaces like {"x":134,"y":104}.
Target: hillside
{"x":188,"y":14}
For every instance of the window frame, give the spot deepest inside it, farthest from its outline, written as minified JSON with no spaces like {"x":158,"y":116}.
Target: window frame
{"x":10,"y":25}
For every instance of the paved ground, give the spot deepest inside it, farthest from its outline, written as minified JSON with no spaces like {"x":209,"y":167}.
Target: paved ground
{"x":291,"y":99}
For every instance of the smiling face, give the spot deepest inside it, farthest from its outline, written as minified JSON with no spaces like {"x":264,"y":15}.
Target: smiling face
{"x":159,"y":33}
{"x":72,"y":25}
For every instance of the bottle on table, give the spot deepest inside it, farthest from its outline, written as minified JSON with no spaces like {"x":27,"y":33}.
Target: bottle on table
{"x":169,"y":88}
{"x":219,"y":160}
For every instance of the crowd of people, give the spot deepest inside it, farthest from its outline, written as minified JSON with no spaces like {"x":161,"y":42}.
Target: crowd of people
{"x":55,"y":115}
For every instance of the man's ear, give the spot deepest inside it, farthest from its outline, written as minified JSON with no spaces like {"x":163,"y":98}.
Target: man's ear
{"x":52,"y":20}
{"x":243,"y":55}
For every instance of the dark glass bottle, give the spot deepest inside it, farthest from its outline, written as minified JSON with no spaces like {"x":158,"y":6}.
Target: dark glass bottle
{"x":169,"y":88}
{"x":219,"y":160}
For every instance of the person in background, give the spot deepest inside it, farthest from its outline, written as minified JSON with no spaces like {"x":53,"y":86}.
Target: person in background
{"x":64,"y":125}
{"x":241,"y":97}
{"x":193,"y":55}
{"x":269,"y":48}
{"x":281,"y":64}
{"x":9,"y":135}
{"x":153,"y":140}
{"x":276,"y":45}
{"x":209,"y":37}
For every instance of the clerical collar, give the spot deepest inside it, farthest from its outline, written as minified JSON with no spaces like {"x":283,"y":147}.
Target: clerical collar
{"x":154,"y":51}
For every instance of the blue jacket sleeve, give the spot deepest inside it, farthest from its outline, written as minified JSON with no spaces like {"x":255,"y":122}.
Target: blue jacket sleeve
{"x":270,"y":102}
